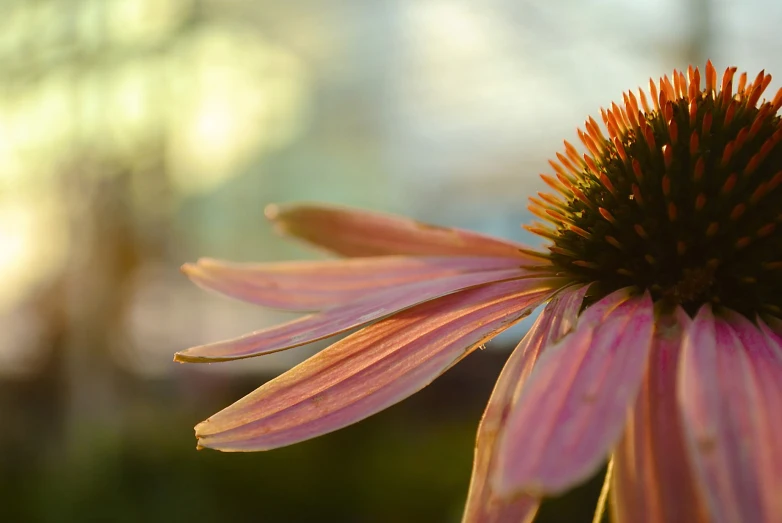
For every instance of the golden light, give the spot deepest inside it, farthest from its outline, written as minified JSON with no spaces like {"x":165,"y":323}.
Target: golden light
{"x":235,"y":97}
{"x":131,"y":21}
{"x":30,"y":249}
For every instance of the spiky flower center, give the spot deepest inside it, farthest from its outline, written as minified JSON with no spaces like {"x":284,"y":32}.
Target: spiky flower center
{"x":683,"y":197}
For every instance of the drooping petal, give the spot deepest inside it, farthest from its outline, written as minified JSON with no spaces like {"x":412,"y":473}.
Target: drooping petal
{"x":572,"y":409}
{"x":356,"y":232}
{"x":316,"y":285}
{"x":483,"y":505}
{"x":765,"y":358}
{"x":344,"y":317}
{"x":730,"y":397}
{"x":369,"y":370}
{"x":652,"y":481}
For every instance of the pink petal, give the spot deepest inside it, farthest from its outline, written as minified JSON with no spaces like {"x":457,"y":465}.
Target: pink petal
{"x":352,"y":314}
{"x":572,"y":409}
{"x":730,"y":392}
{"x":772,"y":327}
{"x":652,"y":481}
{"x":316,"y":285}
{"x":355,"y":232}
{"x":483,"y":505}
{"x":765,"y":357}
{"x":369,"y":370}
{"x":597,"y":312}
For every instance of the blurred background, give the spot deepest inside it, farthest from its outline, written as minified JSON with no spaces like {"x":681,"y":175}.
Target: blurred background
{"x":136,"y":135}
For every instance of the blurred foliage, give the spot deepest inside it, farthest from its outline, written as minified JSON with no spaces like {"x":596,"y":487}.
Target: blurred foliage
{"x":409,"y":463}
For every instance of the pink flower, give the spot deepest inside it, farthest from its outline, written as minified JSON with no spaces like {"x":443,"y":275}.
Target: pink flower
{"x":659,"y":347}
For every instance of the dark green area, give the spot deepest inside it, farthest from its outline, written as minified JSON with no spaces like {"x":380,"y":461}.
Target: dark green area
{"x":410,"y":463}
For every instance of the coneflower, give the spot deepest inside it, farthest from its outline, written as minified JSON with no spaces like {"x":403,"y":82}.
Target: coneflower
{"x":660,"y":347}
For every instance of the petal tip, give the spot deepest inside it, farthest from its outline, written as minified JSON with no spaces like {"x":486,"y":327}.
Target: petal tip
{"x":705,"y":312}
{"x":272,"y":211}
{"x":201,"y":444}
{"x":203,"y":435}
{"x":205,"y":441}
{"x":184,"y":357}
{"x":199,"y":429}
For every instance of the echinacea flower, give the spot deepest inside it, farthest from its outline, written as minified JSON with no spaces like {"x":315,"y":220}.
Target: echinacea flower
{"x":659,"y":348}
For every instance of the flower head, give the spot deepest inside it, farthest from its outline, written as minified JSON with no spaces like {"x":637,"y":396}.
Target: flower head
{"x":659,"y":347}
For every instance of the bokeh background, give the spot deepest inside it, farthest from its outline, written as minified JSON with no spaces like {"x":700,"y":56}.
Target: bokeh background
{"x":136,"y":135}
